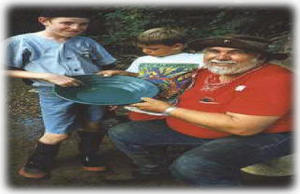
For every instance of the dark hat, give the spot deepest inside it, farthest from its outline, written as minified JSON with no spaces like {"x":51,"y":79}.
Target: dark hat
{"x":66,"y":12}
{"x":245,"y":42}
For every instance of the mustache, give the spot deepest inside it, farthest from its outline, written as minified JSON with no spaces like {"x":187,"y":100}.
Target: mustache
{"x":222,"y":61}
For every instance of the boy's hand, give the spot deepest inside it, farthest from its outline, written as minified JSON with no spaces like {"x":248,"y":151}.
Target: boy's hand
{"x":109,"y":73}
{"x":63,"y":81}
{"x":152,"y":105}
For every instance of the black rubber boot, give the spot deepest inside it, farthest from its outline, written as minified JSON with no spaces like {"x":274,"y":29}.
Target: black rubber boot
{"x":89,"y":146}
{"x":40,"y":162}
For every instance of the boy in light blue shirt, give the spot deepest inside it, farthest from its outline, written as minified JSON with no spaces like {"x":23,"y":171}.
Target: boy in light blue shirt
{"x":49,"y":58}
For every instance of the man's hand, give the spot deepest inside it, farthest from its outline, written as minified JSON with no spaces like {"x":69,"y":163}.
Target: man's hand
{"x":62,"y":80}
{"x":152,"y":105}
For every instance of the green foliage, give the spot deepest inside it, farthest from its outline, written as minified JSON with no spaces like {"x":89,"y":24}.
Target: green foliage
{"x":122,"y":25}
{"x":117,"y":27}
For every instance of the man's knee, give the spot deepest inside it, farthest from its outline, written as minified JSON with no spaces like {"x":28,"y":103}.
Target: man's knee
{"x":129,"y":132}
{"x":191,"y":168}
{"x":121,"y":131}
{"x":185,"y":164}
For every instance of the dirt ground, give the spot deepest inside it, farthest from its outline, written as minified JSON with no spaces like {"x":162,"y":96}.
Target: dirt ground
{"x":24,"y":127}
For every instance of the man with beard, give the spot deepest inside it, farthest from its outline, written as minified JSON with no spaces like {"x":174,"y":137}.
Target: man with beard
{"x":236,"y":113}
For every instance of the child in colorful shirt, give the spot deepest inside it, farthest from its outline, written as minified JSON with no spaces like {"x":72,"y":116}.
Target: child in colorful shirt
{"x":166,"y":65}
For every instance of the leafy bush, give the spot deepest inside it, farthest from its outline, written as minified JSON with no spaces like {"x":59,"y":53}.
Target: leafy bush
{"x":122,"y":25}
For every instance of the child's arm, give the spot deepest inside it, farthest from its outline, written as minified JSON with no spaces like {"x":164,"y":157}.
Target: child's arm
{"x":109,"y":73}
{"x":60,"y":80}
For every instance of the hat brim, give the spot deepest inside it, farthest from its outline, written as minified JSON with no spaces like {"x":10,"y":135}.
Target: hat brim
{"x":200,"y":44}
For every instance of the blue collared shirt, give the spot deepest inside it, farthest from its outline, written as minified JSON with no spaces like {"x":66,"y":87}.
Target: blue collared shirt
{"x":77,"y":56}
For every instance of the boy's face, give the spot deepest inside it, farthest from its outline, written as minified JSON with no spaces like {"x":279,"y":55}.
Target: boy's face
{"x":64,"y":26}
{"x":160,"y":50}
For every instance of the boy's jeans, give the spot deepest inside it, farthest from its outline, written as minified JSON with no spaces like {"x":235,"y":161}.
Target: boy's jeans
{"x":214,"y":162}
{"x":62,"y":116}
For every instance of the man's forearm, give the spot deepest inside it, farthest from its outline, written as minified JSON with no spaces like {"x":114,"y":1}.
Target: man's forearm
{"x":233,"y":123}
{"x":204,"y":119}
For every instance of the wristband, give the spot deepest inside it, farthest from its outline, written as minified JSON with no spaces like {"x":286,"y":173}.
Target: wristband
{"x":169,"y":110}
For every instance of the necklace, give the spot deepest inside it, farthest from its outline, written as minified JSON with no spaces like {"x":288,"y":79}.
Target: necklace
{"x":212,"y":82}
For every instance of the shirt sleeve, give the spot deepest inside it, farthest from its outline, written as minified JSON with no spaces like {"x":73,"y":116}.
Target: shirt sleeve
{"x":134,"y":67}
{"x":268,"y":96}
{"x":104,"y":57}
{"x":200,"y":59}
{"x":17,"y":54}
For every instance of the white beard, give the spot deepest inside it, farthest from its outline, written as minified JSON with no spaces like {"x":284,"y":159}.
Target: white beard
{"x":235,"y":68}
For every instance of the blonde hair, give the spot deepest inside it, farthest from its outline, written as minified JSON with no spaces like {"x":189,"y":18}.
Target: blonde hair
{"x":164,"y":35}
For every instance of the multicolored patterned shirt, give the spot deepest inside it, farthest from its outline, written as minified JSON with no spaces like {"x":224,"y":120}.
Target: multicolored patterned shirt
{"x":172,"y":74}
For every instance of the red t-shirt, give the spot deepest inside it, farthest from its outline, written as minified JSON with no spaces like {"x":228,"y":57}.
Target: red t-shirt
{"x":264,"y":91}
